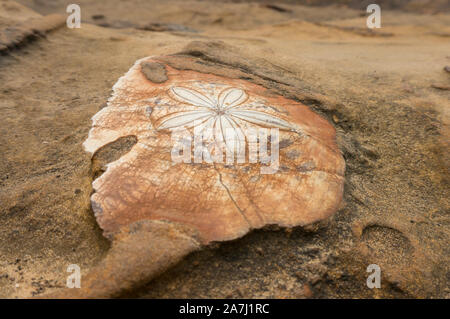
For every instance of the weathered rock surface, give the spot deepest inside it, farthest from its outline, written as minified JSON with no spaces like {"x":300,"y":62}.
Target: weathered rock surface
{"x":223,"y":199}
{"x":19,"y":24}
{"x":391,"y":125}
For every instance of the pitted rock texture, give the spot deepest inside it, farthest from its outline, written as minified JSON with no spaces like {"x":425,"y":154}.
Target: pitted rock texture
{"x":225,"y":200}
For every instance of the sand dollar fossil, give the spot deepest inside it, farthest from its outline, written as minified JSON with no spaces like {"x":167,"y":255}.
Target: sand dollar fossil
{"x":221,"y":200}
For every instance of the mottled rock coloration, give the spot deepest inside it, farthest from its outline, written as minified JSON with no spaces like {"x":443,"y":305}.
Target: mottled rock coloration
{"x":222,"y":201}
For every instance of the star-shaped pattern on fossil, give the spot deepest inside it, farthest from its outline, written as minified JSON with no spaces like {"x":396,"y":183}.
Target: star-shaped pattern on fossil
{"x":217,"y":116}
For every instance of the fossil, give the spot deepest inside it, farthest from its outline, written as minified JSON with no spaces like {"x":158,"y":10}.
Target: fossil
{"x":223,"y":120}
{"x":225,"y":111}
{"x":221,"y":201}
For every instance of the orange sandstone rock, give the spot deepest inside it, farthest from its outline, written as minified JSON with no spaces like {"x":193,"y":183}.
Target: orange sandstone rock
{"x":221,"y":200}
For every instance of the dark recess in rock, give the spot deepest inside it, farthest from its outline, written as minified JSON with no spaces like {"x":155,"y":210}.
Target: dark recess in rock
{"x":111,"y":153}
{"x":165,"y":27}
